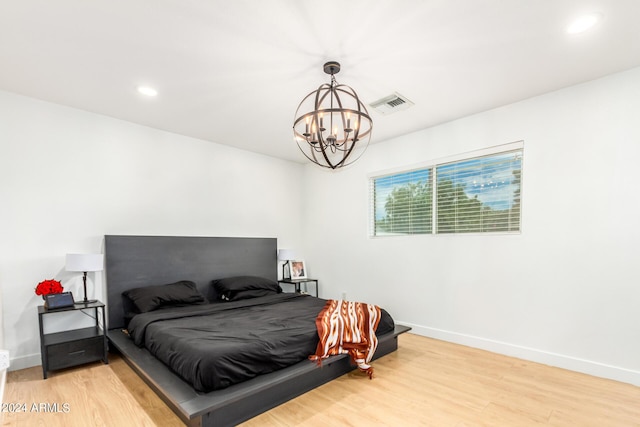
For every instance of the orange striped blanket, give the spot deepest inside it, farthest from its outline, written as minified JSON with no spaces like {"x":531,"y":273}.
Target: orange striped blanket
{"x":348,"y":327}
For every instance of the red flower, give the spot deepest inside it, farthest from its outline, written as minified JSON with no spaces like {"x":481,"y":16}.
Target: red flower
{"x":47,"y":287}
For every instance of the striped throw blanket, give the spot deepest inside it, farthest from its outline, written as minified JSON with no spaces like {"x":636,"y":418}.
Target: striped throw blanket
{"x":348,"y":327}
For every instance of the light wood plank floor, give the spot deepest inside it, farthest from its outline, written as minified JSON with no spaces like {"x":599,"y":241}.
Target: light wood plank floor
{"x":426,"y":382}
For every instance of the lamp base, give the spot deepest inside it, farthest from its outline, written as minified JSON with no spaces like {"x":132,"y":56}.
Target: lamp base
{"x":283,"y":271}
{"x":84,"y":285}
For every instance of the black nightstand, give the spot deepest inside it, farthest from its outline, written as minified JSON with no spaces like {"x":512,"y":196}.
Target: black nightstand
{"x":76,"y":346}
{"x":298,"y":282}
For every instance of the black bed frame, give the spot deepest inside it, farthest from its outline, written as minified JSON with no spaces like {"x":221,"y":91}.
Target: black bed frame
{"x":136,"y":261}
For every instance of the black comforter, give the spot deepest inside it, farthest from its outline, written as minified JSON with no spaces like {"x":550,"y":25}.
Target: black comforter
{"x":216,"y":345}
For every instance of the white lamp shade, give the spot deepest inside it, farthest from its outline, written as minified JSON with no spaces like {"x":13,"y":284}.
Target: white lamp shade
{"x":84,"y":262}
{"x":286,"y":255}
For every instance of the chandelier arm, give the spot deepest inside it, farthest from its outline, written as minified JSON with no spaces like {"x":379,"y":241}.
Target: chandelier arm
{"x":340,"y":110}
{"x":323,"y":148}
{"x":314,"y":159}
{"x":332,"y":95}
{"x":346,"y":153}
{"x":326,"y":90}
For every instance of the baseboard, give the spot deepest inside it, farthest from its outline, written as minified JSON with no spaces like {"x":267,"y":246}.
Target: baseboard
{"x":24,"y":362}
{"x":553,"y":359}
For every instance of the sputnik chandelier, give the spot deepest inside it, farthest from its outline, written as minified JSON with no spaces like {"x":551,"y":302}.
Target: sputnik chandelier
{"x":330,"y":122}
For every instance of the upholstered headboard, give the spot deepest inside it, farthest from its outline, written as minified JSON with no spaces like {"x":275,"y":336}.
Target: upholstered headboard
{"x":137,"y":261}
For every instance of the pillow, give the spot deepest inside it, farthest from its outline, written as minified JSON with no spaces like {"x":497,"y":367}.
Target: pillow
{"x":249,"y":293}
{"x":244,"y":287}
{"x":151,"y":298}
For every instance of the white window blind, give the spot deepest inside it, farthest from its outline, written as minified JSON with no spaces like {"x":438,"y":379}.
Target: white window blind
{"x":403,"y":203}
{"x":480,"y":194}
{"x":475,"y":195}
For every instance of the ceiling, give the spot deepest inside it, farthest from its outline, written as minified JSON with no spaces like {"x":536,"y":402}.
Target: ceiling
{"x":233,"y":72}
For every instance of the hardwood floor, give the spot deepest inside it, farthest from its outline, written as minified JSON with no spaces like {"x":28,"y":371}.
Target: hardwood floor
{"x":426,"y":382}
{"x":435,"y":383}
{"x":96,"y":394}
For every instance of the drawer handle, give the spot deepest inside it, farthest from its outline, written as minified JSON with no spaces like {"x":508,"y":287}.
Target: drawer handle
{"x":76,"y":353}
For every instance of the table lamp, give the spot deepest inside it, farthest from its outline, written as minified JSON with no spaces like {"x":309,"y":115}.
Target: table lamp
{"x":285,"y":255}
{"x":85,"y":263}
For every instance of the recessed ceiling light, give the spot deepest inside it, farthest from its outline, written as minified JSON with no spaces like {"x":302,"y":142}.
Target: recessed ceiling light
{"x":148,"y":91}
{"x":583,"y":23}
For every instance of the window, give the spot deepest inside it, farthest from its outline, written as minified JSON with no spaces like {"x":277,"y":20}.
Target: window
{"x":403,"y":203}
{"x":474,"y":195}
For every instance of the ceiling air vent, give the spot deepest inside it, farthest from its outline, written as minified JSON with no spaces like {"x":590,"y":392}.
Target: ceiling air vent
{"x":391,"y":104}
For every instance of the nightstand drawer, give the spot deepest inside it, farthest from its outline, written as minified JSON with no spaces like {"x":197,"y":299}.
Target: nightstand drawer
{"x":74,"y":353}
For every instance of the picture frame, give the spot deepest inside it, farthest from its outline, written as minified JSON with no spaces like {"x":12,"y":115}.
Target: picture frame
{"x":297,"y":269}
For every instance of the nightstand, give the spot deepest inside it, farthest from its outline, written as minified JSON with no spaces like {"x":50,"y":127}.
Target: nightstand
{"x":75,"y":346}
{"x":297,"y":282}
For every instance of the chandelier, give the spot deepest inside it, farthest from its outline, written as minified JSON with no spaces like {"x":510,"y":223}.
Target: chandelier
{"x":330,"y":122}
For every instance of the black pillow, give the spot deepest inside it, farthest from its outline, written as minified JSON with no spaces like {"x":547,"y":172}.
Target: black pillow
{"x":244,"y":287}
{"x":151,"y":298}
{"x":250,"y":293}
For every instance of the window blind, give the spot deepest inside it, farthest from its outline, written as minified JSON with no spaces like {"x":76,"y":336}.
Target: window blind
{"x":474,"y":195}
{"x":480,"y":194}
{"x":402,"y":203}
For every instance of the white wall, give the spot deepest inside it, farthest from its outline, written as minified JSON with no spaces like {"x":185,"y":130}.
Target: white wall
{"x":563,"y":292}
{"x":69,"y":177}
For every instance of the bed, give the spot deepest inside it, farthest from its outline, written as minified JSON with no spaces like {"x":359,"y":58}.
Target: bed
{"x":231,"y":392}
